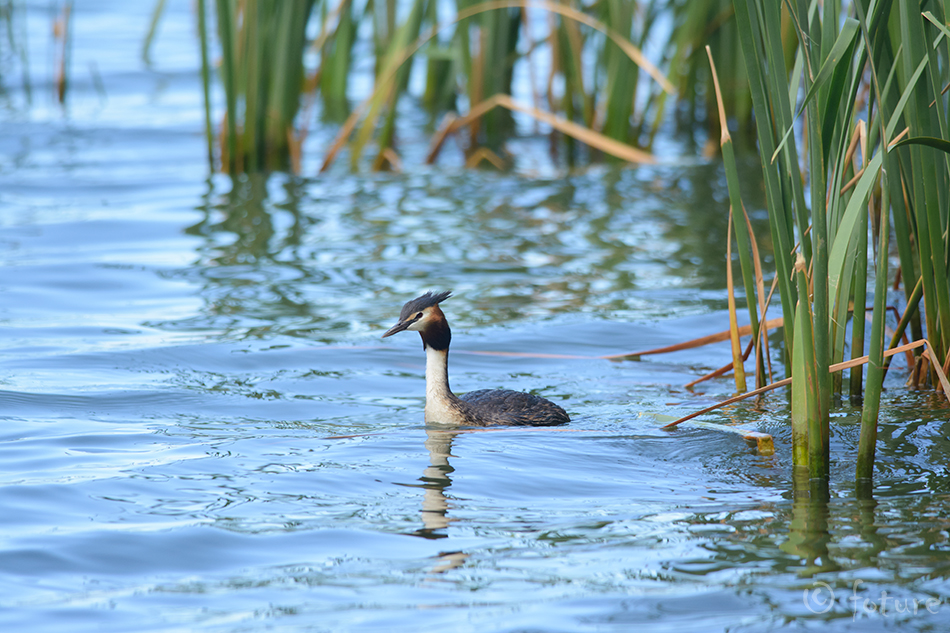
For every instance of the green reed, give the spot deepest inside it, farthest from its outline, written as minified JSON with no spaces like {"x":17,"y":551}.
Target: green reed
{"x":827,"y":119}
{"x":261,"y":46}
{"x":697,"y":25}
{"x":594,"y":76}
{"x":13,"y":48}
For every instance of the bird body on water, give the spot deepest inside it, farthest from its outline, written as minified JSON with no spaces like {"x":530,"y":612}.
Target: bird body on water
{"x":485,"y":407}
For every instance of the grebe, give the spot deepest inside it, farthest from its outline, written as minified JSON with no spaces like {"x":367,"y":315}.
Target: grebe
{"x":485,"y":407}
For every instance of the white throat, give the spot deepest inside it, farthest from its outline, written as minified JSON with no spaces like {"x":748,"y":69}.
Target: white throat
{"x":440,"y":401}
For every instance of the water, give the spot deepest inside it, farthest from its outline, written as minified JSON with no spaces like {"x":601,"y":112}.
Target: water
{"x":201,"y":430}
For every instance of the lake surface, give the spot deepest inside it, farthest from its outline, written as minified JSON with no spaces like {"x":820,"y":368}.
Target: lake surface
{"x":202,"y":431}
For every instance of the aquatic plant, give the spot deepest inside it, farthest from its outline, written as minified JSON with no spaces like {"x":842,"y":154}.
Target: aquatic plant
{"x":601,"y":95}
{"x":13,"y":50}
{"x":261,"y":69}
{"x":478,"y":53}
{"x":859,"y":84}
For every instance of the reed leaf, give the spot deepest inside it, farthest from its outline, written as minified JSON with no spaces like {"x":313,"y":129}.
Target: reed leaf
{"x":875,"y":380}
{"x":860,"y":299}
{"x":336,"y":61}
{"x":846,"y":228}
{"x":838,"y":58}
{"x":808,"y":368}
{"x":152,"y":30}
{"x":749,"y":267}
{"x":206,"y":79}
{"x":909,"y":311}
{"x":799,"y":397}
{"x":621,"y":75}
{"x":751,"y":40}
{"x":227,"y":26}
{"x":928,"y":141}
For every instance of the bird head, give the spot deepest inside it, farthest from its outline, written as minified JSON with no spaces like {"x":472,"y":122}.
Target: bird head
{"x":423,"y":315}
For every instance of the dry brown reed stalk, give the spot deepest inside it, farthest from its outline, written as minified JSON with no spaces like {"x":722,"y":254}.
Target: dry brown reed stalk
{"x":737,"y":357}
{"x":438,"y":139}
{"x":388,"y":157}
{"x":483,"y":154}
{"x":945,"y":385}
{"x":718,"y":337}
{"x":62,"y":32}
{"x":749,"y":260}
{"x":722,"y":370}
{"x":574,"y":130}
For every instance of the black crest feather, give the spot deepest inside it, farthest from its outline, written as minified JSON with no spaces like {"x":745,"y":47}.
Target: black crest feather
{"x":421,"y":303}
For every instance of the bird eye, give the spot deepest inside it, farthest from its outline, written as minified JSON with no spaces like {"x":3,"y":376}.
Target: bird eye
{"x":419,"y":316}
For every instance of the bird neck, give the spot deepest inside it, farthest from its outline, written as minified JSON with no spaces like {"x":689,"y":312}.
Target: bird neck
{"x":441,"y":403}
{"x":442,"y":406}
{"x":437,"y":372}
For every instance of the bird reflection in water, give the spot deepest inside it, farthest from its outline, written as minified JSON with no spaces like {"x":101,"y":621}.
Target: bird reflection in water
{"x":435,"y":505}
{"x":435,"y":480}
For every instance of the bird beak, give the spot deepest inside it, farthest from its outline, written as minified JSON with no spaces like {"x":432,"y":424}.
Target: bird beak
{"x":399,"y":327}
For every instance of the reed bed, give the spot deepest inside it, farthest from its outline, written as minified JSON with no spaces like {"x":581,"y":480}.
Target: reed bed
{"x":261,"y":68}
{"x":577,"y":68}
{"x":853,"y":142}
